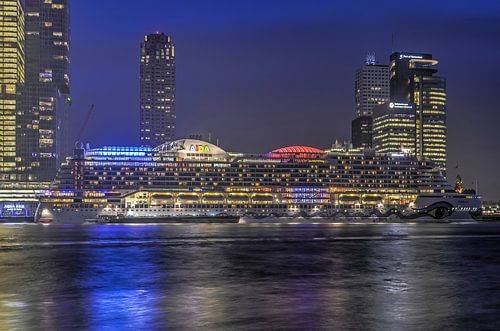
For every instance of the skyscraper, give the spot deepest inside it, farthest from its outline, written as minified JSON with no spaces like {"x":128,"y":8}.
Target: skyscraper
{"x":371,"y":86}
{"x":413,"y":82}
{"x":157,"y":75}
{"x":11,"y":80}
{"x":371,"y":89}
{"x":394,"y":128}
{"x":47,"y":84}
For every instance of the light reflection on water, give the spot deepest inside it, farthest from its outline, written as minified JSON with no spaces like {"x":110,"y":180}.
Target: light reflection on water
{"x":249,"y":277}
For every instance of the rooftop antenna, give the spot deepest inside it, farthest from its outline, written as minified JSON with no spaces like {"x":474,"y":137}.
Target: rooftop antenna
{"x":209,"y":137}
{"x":217,"y":143}
{"x":370,"y":58}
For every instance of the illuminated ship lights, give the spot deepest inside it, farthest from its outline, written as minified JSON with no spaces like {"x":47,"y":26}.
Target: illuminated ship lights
{"x":120,"y":151}
{"x":182,"y":178}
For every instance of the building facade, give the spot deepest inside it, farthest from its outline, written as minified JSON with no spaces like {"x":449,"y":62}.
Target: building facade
{"x":157,"y":90}
{"x":394,"y":129}
{"x":47,"y":85}
{"x":362,"y":132}
{"x":413,"y":81}
{"x":371,"y":89}
{"x":11,"y":83}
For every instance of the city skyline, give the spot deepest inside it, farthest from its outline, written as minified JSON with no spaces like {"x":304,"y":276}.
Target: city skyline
{"x":244,"y":93}
{"x":222,"y":164}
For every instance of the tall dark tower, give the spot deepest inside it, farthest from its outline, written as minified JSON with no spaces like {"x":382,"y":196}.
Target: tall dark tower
{"x":47,"y":84}
{"x":413,"y":81}
{"x":158,"y":118}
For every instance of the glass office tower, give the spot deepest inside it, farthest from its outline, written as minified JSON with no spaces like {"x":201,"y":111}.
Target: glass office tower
{"x":47,"y":85}
{"x":11,"y":80}
{"x":413,"y":81}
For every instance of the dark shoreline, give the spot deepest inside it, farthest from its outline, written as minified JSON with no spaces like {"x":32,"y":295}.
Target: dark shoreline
{"x":494,"y":218}
{"x":235,"y":220}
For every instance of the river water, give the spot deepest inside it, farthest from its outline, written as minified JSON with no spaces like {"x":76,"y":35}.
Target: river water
{"x":250,"y":277}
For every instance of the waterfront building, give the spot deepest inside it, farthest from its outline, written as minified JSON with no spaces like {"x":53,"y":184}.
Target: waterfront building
{"x":362,"y":132}
{"x":11,"y":83}
{"x":157,"y":90}
{"x":371,"y":89}
{"x":19,"y":200}
{"x":413,"y":81}
{"x":394,"y":129}
{"x":192,"y":177}
{"x":46,"y":95}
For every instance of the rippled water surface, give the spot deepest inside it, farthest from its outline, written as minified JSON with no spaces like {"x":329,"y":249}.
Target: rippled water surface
{"x":234,"y":277}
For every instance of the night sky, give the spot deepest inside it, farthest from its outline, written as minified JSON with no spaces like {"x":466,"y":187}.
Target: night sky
{"x":265,"y":74}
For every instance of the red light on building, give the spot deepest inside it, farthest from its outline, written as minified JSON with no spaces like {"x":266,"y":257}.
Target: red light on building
{"x":298,"y":152}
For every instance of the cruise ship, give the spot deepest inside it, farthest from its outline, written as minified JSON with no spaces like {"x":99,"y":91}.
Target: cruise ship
{"x":190,"y":179}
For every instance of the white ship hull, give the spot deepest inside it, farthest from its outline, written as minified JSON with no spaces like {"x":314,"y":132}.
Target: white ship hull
{"x":394,"y":218}
{"x":75,"y":216}
{"x":430,"y":209}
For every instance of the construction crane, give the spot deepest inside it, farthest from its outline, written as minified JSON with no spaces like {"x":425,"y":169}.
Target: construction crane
{"x":84,"y":125}
{"x":64,"y":93}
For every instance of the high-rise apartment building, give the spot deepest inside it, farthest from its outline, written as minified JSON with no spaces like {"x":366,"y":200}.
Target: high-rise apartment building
{"x":157,"y":89}
{"x":413,"y":82}
{"x":47,"y":85}
{"x":371,"y":89}
{"x":11,"y":80}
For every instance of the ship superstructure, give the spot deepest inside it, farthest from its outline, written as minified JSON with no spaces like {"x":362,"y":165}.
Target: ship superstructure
{"x":196,"y":178}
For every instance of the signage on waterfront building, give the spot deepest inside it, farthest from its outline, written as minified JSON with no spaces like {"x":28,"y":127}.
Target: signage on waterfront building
{"x":409,"y":56}
{"x":199,"y":148}
{"x":13,"y":209}
{"x":399,"y":105}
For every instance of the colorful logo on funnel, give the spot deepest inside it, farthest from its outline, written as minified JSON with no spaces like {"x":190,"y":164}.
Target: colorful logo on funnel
{"x":199,"y":148}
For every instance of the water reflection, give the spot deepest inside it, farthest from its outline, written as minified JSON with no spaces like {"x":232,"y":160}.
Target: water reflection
{"x":119,"y":288}
{"x":240,"y":277}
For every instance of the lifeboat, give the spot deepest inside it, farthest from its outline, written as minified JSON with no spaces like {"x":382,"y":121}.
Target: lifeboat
{"x":349,"y":199}
{"x":372,"y":199}
{"x":213,"y":198}
{"x":262,"y":198}
{"x":188,"y":198}
{"x":162,"y":198}
{"x":238,"y":198}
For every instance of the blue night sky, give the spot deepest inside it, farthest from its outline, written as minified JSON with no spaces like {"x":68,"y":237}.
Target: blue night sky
{"x":265,"y":74}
